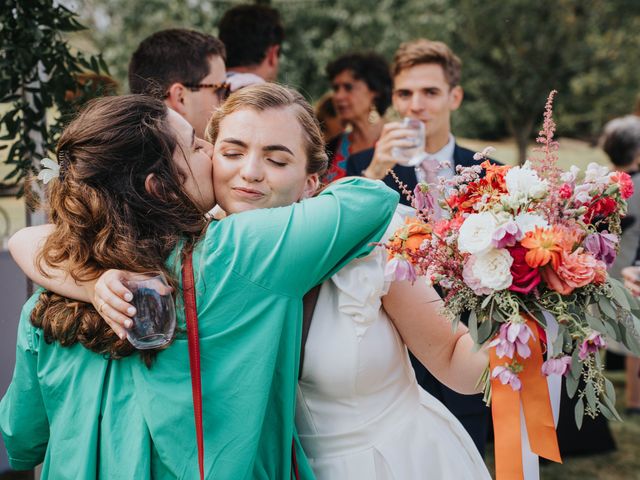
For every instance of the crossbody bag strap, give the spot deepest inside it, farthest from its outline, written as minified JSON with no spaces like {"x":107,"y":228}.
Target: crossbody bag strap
{"x":191,"y":313}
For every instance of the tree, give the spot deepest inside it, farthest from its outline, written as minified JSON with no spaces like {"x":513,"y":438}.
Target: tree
{"x":517,"y":51}
{"x":38,"y":71}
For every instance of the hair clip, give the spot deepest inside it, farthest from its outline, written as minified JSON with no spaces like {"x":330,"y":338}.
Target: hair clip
{"x":50,"y":170}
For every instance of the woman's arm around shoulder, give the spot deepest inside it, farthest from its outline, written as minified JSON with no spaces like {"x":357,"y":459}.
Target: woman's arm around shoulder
{"x":291,"y":249}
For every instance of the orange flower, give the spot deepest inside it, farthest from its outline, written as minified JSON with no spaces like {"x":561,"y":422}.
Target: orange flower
{"x":545,"y":245}
{"x":416,"y":233}
{"x":494,"y":174}
{"x":411,"y":235}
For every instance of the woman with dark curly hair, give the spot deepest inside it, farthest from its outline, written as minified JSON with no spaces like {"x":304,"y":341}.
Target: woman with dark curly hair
{"x":361,"y":85}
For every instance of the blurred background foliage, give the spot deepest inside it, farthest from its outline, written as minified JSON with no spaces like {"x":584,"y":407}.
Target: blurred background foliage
{"x":514,"y":51}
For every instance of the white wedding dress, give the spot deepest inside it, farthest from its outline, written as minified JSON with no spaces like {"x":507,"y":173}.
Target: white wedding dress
{"x":360,"y":413}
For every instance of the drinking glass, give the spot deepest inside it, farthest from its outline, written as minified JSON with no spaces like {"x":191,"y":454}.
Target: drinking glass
{"x":413,"y":155}
{"x":155,"y":319}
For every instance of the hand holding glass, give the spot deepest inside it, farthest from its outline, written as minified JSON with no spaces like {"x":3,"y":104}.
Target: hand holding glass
{"x":411,"y":156}
{"x":155,"y":318}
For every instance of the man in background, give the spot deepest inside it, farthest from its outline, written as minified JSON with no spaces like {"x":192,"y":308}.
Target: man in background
{"x":252,"y":35}
{"x":184,"y":67}
{"x":426,"y":87}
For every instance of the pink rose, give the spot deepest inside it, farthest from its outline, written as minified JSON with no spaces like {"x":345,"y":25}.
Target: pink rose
{"x":577,"y":269}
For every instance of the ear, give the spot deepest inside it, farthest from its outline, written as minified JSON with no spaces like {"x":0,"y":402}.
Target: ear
{"x":272,"y":55}
{"x":456,"y":95}
{"x":311,"y":186}
{"x":175,"y":98}
{"x":151,"y":185}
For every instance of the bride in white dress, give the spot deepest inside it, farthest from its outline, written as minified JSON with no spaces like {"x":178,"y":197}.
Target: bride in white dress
{"x":360,"y":412}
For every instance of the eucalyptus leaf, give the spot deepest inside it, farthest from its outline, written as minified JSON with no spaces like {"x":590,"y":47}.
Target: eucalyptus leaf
{"x":571,"y":384}
{"x":485,"y":302}
{"x":595,"y":323}
{"x":590,"y":393}
{"x":576,"y":364}
{"x":618,"y":293}
{"x":609,"y":415}
{"x":609,"y":390}
{"x":606,"y":308}
{"x":579,"y":413}
{"x":473,"y":326}
{"x":606,"y":401}
{"x":485,"y":330}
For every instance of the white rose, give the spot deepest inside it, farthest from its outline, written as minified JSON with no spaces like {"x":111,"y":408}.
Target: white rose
{"x":524,"y":182}
{"x":527,"y":222}
{"x":597,"y":174}
{"x":476,"y":233}
{"x":493,"y":269}
{"x":571,"y":176}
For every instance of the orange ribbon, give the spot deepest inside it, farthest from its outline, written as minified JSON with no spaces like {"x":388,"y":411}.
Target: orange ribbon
{"x":536,"y":406}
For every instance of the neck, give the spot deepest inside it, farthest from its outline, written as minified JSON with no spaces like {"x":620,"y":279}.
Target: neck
{"x":364,"y":133}
{"x":258,"y":70}
{"x":436,"y":142}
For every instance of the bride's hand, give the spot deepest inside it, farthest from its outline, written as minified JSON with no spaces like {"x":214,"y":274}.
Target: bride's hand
{"x":111,"y":299}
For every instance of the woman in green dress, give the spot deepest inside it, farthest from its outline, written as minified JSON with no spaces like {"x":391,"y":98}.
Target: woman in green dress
{"x":87,"y":415}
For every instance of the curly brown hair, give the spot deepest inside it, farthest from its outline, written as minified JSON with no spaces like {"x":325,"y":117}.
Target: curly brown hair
{"x":104,"y":216}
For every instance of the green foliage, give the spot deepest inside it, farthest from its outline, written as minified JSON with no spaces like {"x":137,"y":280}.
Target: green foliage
{"x":514,"y":52}
{"x":37,"y":70}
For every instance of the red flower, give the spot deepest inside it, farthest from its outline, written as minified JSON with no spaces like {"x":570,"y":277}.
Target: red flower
{"x":566,"y":191}
{"x":525,"y":278}
{"x":602,"y":207}
{"x":624,"y":183}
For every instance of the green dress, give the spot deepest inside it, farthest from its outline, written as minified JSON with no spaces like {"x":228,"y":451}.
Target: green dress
{"x":87,"y":417}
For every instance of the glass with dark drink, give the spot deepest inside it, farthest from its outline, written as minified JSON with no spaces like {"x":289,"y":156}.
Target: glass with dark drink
{"x":155,"y":318}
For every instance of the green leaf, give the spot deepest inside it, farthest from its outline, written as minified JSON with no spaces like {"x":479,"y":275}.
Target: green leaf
{"x":571,"y":384}
{"x":590,"y":393}
{"x":595,"y":323}
{"x":485,"y":330}
{"x":609,"y":390}
{"x":473,"y":326}
{"x":579,"y":413}
{"x":618,"y":293}
{"x":486,"y":301}
{"x":606,"y":308}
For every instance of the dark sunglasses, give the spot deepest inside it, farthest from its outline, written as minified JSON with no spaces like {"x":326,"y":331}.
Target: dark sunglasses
{"x":222,"y":90}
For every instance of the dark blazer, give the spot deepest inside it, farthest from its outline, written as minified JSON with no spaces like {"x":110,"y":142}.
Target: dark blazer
{"x":469,"y":409}
{"x":361,"y":160}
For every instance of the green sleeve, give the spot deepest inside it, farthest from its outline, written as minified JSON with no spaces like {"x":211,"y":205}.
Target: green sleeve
{"x":291,"y":249}
{"x":23,"y":419}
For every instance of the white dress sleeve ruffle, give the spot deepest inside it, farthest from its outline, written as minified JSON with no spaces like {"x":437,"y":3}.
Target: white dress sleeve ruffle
{"x":361,"y":284}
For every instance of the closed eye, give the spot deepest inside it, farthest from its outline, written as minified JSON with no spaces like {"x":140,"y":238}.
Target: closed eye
{"x":277,"y":163}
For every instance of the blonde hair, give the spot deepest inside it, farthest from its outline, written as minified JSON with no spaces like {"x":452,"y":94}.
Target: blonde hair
{"x":423,"y":51}
{"x":270,"y":95}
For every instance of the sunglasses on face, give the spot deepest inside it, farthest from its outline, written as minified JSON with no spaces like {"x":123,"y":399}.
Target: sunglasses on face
{"x":222,"y":90}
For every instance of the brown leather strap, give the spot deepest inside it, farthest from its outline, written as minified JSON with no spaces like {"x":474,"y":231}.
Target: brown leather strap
{"x":191,"y":313}
{"x":308,"y":306}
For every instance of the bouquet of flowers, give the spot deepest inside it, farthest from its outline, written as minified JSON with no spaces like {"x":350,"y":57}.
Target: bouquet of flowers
{"x":525,"y":250}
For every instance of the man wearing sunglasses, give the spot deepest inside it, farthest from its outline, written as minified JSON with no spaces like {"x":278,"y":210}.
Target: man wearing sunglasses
{"x":186,"y":68}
